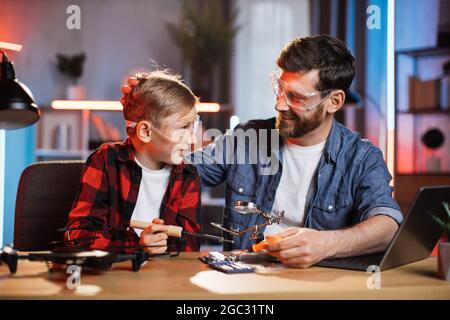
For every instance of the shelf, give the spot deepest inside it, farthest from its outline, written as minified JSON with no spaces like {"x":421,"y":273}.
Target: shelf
{"x":426,"y":52}
{"x":56,"y":153}
{"x":426,"y":112}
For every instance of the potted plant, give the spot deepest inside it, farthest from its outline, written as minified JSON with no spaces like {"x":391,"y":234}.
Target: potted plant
{"x":444,"y":247}
{"x":205,"y":39}
{"x":72,"y":68}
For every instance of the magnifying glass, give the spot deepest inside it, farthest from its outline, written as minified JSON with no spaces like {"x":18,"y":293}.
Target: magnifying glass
{"x":245,"y":207}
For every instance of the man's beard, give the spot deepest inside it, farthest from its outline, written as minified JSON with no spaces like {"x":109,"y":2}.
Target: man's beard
{"x":298,"y":127}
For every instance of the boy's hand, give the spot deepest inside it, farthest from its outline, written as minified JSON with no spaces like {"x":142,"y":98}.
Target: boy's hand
{"x":155,"y":236}
{"x":126,"y":88}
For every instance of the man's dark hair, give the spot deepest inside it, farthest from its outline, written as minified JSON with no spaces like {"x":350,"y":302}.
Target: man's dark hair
{"x":325,"y":53}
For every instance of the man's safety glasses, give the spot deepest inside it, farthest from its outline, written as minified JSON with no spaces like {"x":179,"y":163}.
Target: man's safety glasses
{"x":295,"y":97}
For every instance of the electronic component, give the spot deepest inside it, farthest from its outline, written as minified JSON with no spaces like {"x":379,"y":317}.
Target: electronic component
{"x":231,"y":267}
{"x":216,"y":256}
{"x":254,"y":257}
{"x":239,"y":261}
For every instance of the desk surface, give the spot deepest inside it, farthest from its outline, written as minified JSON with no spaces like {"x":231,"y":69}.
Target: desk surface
{"x":185,"y":277}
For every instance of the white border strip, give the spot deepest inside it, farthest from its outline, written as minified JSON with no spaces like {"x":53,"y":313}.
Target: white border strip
{"x":2,"y":182}
{"x":391,"y":65}
{"x":390,"y":80}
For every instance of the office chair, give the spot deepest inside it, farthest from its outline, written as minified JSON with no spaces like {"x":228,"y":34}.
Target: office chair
{"x":44,"y":198}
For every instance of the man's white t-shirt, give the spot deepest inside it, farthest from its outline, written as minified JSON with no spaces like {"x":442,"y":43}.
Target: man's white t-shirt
{"x":299,"y":165}
{"x":151,"y":192}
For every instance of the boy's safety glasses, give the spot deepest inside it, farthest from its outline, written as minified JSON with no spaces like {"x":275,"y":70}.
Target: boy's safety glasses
{"x":177,"y":134}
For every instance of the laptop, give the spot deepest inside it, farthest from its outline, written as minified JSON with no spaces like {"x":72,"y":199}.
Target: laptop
{"x":414,"y":240}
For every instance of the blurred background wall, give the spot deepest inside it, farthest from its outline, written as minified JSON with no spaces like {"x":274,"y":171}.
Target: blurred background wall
{"x":267,"y":26}
{"x":120,"y":38}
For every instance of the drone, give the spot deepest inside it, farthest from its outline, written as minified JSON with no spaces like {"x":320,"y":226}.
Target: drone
{"x":95,"y":259}
{"x":78,"y":251}
{"x":244,"y":207}
{"x":83,"y":256}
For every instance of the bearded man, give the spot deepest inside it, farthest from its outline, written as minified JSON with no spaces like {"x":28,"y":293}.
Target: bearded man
{"x":332,"y":185}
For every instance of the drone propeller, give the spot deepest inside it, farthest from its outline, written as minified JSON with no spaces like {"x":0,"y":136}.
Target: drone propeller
{"x":10,"y":257}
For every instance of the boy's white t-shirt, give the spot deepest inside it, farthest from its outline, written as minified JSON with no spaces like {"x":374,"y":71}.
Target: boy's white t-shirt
{"x":299,"y":165}
{"x":151,"y":192}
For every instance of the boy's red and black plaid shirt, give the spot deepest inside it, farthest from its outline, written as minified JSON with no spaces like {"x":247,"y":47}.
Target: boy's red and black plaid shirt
{"x":108,"y":192}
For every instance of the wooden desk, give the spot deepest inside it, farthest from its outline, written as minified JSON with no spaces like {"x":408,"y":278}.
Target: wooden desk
{"x":174,"y":278}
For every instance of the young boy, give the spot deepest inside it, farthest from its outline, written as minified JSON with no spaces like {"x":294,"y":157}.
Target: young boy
{"x":142,"y":178}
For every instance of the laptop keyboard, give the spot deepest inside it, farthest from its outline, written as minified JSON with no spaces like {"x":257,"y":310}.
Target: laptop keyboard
{"x":366,"y":260}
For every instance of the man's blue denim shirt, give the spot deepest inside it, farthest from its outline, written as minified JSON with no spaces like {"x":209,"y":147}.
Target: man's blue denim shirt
{"x":350,"y":185}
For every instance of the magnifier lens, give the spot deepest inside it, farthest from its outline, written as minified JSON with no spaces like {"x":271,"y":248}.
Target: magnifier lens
{"x":246,"y":207}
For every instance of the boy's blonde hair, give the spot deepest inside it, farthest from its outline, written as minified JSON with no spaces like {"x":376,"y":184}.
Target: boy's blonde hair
{"x":158,"y":94}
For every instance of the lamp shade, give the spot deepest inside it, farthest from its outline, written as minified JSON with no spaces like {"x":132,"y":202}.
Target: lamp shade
{"x":17,"y":106}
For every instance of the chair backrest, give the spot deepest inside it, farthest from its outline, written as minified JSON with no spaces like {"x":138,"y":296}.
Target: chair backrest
{"x":44,"y":198}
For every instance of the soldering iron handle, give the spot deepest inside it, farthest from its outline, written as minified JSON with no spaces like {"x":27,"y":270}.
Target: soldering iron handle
{"x":172,"y":231}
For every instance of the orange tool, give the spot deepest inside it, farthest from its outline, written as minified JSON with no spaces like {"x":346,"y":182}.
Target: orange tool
{"x":262,"y":245}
